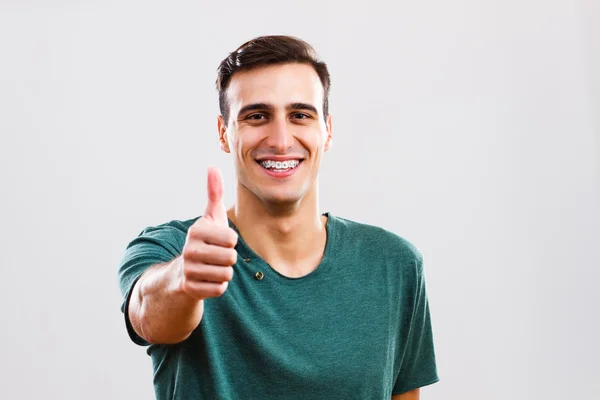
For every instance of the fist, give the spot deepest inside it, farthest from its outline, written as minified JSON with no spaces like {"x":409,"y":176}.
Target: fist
{"x":208,"y":256}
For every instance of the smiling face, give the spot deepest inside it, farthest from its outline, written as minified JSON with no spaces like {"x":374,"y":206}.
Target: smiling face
{"x":276,"y":131}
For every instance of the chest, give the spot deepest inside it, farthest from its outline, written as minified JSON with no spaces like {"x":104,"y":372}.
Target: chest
{"x":338,"y":334}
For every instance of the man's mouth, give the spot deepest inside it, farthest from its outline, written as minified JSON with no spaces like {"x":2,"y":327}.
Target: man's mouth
{"x":280,"y":166}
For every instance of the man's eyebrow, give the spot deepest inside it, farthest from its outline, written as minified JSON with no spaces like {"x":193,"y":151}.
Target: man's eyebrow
{"x":269,"y":107}
{"x":302,"y":106}
{"x":256,"y":107}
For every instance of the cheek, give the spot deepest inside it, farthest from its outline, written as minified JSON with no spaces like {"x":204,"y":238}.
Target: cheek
{"x":244,"y":144}
{"x":235,"y":145}
{"x":314,"y":140}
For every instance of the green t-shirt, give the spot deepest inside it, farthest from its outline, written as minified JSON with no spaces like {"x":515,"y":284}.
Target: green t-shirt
{"x":357,"y":327}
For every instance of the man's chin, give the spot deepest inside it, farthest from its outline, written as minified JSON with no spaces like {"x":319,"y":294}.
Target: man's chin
{"x":278,"y":197}
{"x":281,"y":200}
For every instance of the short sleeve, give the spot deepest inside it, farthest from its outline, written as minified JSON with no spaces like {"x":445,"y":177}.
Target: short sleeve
{"x":418,"y":362}
{"x":154,"y":245}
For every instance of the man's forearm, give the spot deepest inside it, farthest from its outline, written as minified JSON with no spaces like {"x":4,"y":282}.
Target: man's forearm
{"x":159,"y":311}
{"x":412,"y":395}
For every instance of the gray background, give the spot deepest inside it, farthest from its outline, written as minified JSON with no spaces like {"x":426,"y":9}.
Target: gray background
{"x":471,"y":128}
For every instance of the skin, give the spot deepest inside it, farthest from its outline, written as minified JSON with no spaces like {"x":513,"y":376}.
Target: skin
{"x":279,"y":218}
{"x":412,"y":395}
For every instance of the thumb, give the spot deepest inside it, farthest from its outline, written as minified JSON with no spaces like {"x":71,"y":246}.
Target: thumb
{"x":215,"y":209}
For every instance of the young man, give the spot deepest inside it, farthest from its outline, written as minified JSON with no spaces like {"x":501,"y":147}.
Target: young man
{"x":272,"y":299}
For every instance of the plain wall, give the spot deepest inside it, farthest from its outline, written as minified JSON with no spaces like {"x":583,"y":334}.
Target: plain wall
{"x":471,"y":128}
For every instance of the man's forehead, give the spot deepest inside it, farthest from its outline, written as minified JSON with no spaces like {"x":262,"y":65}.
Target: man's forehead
{"x":277,"y":85}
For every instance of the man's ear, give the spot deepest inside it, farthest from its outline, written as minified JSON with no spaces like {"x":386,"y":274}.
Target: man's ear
{"x":328,"y":127}
{"x":222,"y":128}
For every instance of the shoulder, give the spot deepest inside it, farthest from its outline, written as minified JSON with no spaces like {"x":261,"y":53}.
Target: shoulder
{"x":172,"y":232}
{"x":175,"y":226}
{"x":377,"y":238}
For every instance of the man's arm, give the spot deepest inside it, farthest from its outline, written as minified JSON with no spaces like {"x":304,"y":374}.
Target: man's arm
{"x":159,"y":311}
{"x":167,"y":301}
{"x":412,"y":395}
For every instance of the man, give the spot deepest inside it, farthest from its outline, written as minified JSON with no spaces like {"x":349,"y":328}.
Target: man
{"x":272,"y":299}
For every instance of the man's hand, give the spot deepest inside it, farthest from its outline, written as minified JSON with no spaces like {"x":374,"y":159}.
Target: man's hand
{"x":167,"y":302}
{"x":208,"y":256}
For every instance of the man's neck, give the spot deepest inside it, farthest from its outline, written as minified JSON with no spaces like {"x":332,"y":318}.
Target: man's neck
{"x":291,"y":240}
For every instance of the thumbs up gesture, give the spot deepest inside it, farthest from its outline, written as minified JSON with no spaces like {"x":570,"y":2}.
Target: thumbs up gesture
{"x":208,"y":254}
{"x":215,"y":209}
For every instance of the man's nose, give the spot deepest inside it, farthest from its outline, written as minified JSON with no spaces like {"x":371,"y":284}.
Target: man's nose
{"x":280,"y":136}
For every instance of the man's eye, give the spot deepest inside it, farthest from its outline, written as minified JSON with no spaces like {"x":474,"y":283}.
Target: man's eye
{"x":301,"y":115}
{"x":255,"y":116}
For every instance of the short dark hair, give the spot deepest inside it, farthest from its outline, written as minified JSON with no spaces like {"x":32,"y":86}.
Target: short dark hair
{"x":269,"y":50}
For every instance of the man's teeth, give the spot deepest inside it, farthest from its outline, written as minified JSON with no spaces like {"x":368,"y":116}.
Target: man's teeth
{"x":280,"y":165}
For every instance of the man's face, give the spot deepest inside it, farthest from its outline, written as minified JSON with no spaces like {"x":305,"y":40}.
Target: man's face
{"x":276,"y":131}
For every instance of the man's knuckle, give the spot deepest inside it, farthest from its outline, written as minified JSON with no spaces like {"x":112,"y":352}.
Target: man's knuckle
{"x":186,"y":285}
{"x":232,"y":257}
{"x":190,"y":252}
{"x":198,"y":231}
{"x":233,"y":238}
{"x":194,"y":231}
{"x":187,"y":273}
{"x":220,"y":290}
